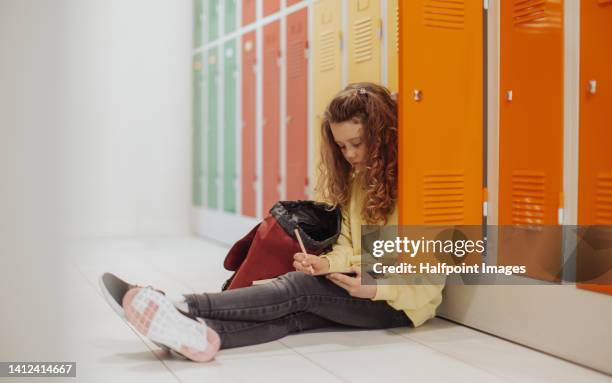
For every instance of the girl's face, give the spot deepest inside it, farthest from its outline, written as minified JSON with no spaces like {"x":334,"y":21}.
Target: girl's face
{"x":349,"y":138}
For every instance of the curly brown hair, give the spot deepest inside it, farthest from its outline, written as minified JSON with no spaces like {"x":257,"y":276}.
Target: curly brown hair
{"x":375,"y":108}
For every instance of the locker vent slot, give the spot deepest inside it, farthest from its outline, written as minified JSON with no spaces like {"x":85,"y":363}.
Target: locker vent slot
{"x":397,"y":31}
{"x":529,"y":12}
{"x":327,"y":52}
{"x":295,"y":59}
{"x":446,"y":14}
{"x":363,"y":39}
{"x":528,"y":198}
{"x":540,"y":14}
{"x":603,"y":199}
{"x":443,"y":198}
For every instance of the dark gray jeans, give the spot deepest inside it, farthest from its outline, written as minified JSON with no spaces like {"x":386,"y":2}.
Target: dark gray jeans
{"x":292,"y":303}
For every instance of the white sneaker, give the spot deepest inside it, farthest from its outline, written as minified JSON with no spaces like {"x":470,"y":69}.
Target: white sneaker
{"x":156,"y":317}
{"x":113,"y":290}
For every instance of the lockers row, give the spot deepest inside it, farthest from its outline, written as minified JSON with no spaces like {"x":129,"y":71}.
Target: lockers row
{"x":444,"y":106}
{"x":444,"y":127}
{"x":259,"y":90}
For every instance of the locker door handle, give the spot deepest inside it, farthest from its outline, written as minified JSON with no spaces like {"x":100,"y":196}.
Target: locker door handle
{"x":417,"y":95}
{"x":592,"y":86}
{"x":509,"y":95}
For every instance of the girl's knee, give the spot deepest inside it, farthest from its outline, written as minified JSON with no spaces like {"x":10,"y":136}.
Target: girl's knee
{"x":301,"y":283}
{"x":297,"y":277}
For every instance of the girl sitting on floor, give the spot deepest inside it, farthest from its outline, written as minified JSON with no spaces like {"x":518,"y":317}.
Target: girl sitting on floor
{"x":358,"y":174}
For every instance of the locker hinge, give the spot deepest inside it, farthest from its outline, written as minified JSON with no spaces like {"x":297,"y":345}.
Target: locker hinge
{"x":485,"y":4}
{"x":560,"y":209}
{"x":485,"y":202}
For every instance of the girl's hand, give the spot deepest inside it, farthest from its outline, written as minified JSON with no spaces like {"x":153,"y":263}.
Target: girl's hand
{"x":310,"y":264}
{"x":353,"y":284}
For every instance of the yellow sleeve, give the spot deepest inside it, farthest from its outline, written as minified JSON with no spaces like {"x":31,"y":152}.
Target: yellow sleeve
{"x":342,"y":250}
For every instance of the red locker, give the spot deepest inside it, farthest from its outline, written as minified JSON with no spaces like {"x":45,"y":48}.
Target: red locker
{"x":292,"y":2}
{"x":249,"y":160}
{"x":270,"y":7}
{"x":271,"y":116}
{"x":249,"y":13}
{"x":297,"y":106}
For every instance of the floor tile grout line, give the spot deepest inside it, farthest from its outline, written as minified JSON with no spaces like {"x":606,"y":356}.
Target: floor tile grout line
{"x":410,"y":341}
{"x":99,"y":294}
{"x":314,"y":362}
{"x":527,"y":348}
{"x":437,"y":350}
{"x":516,"y":343}
{"x":172,"y":277}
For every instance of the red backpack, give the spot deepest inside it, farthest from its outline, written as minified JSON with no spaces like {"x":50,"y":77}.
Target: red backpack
{"x":267,"y":250}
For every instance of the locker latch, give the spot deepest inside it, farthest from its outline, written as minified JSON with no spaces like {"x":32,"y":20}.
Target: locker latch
{"x":509,"y":95}
{"x":417,"y":95}
{"x":592,"y":86}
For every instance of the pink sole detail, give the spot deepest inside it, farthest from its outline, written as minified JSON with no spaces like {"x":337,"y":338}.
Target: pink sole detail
{"x":214,"y":343}
{"x":142,"y":323}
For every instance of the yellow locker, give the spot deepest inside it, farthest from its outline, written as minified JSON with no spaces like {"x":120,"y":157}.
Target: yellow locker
{"x":364,"y":40}
{"x":392,"y":31}
{"x":327,"y":59}
{"x":441,"y":113}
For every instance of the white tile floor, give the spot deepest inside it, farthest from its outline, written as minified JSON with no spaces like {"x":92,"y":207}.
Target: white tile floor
{"x":107,"y":349}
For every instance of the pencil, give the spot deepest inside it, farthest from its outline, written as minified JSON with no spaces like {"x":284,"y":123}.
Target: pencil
{"x":299,"y":238}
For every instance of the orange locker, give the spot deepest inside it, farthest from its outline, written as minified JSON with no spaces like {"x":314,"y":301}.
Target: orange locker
{"x":364,"y":40}
{"x":327,"y":62}
{"x":297,"y":106}
{"x":531,"y":135}
{"x":271,"y":116}
{"x":292,"y":2}
{"x":249,"y":13}
{"x":249,"y":159}
{"x":270,"y":7}
{"x":595,"y":163}
{"x":441,"y":112}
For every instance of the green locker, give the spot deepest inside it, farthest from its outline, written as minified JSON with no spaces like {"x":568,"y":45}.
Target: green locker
{"x":229,"y":24}
{"x":197,"y":168}
{"x":212,"y":19}
{"x":230,"y":78}
{"x":198,"y":22}
{"x":212,"y":122}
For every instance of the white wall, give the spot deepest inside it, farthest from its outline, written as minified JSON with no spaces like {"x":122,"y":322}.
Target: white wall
{"x":126,"y":115}
{"x":95,"y":129}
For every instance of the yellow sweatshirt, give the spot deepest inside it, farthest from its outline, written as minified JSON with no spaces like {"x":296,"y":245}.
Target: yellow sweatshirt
{"x":419,"y":302}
